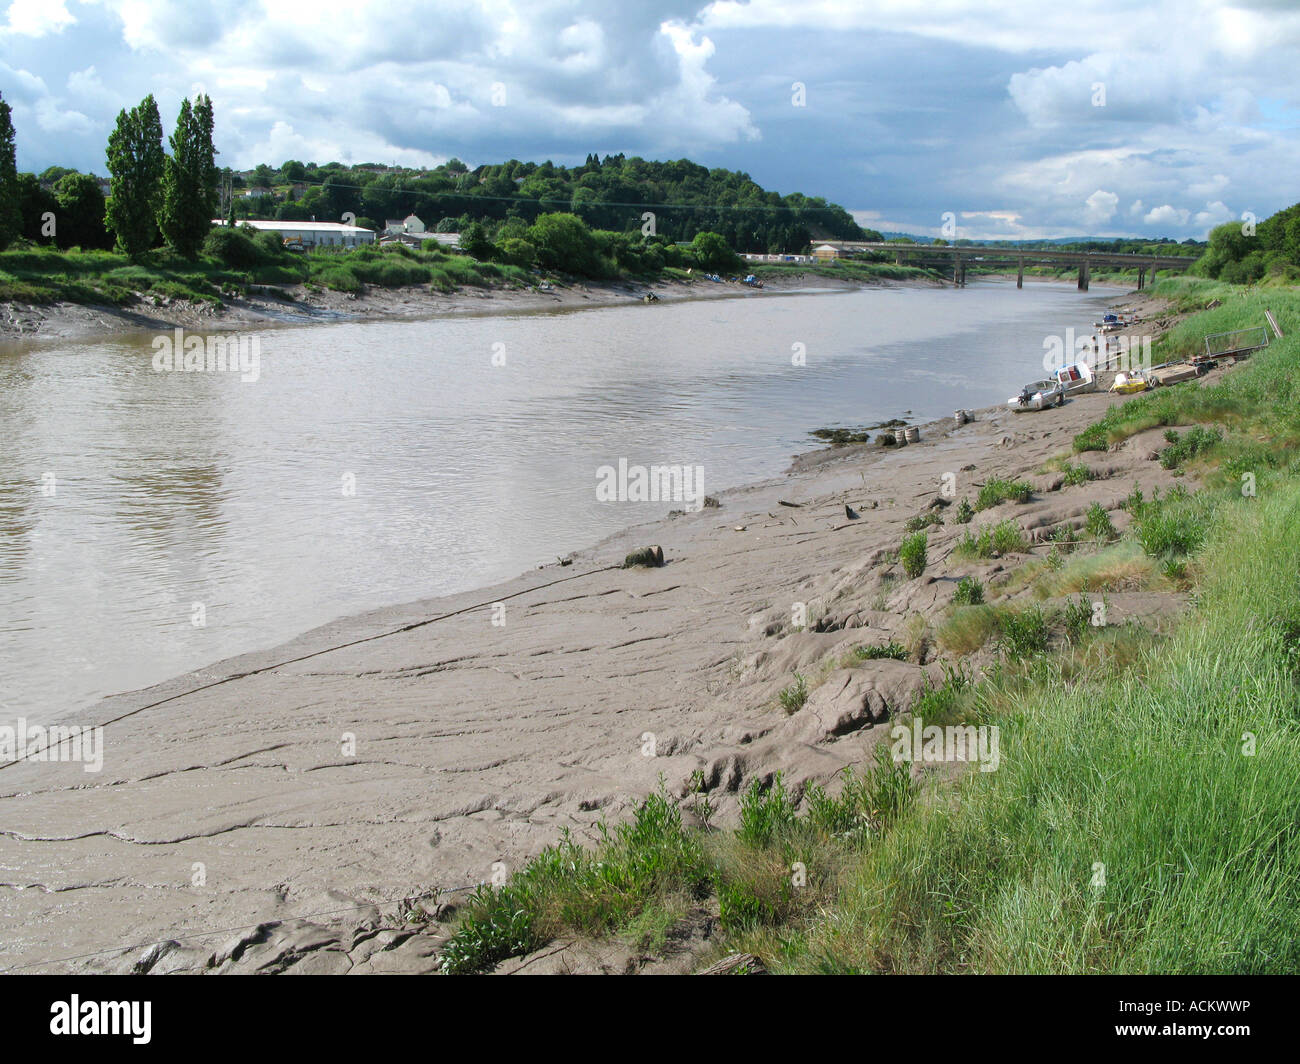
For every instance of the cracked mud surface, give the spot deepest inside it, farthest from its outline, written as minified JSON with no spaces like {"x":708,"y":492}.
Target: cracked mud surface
{"x":236,"y":814}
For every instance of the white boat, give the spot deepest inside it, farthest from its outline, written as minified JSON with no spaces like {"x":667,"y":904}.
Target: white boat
{"x":1038,"y":396}
{"x":1077,"y":378}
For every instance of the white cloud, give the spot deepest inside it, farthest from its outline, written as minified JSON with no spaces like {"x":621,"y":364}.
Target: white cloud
{"x":690,"y":105}
{"x":36,"y":18}
{"x":29,"y":87}
{"x":1215,"y":213}
{"x":284,"y":142}
{"x":85,"y":83}
{"x":55,"y":119}
{"x":1166,"y":215}
{"x":1100,"y":207}
{"x":1201,"y":102}
{"x":1212,"y":185}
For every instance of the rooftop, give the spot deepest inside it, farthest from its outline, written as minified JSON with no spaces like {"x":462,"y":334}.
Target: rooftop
{"x":302,"y":227}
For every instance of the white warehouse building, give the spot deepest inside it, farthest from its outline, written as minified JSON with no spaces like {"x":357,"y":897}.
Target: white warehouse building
{"x":312,"y":234}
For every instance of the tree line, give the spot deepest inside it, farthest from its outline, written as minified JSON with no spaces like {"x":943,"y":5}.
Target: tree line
{"x":612,"y":194}
{"x":154,"y":199}
{"x":1244,"y":252}
{"x":631,"y":210}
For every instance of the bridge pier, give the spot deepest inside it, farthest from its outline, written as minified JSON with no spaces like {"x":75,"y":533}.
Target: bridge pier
{"x":1142,"y":277}
{"x":1153,"y":272}
{"x":1020,"y":273}
{"x":958,"y":272}
{"x":1083,"y":276}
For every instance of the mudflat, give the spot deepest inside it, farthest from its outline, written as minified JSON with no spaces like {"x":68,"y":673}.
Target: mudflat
{"x":286,"y":810}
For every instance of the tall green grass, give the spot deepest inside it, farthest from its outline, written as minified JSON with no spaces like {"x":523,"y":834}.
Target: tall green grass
{"x":1138,"y":822}
{"x":1143,"y":815}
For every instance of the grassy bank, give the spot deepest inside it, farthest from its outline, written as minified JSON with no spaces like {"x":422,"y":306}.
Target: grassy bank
{"x":1143,"y":814}
{"x":44,"y":275}
{"x":844,"y":270}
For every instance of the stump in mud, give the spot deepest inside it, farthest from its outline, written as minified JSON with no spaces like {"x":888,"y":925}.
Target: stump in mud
{"x":646,"y":558}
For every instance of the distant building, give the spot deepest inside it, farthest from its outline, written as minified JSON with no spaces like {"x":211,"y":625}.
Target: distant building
{"x":398,"y":226}
{"x":312,"y":234}
{"x":824,"y":252}
{"x":451,"y":241}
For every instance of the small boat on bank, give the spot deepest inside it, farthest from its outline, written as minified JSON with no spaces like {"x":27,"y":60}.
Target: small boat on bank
{"x":1114,"y":323}
{"x":1128,"y":383}
{"x":1038,"y":396}
{"x":1077,"y":378}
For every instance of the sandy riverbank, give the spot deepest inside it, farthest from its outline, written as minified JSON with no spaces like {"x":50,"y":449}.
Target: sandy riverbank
{"x":234,"y":797}
{"x":267,"y":307}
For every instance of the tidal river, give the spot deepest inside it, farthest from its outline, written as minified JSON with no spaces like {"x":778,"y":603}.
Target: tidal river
{"x":154,"y":522}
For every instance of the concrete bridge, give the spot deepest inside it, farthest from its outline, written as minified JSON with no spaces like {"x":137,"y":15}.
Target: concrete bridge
{"x":958,"y":258}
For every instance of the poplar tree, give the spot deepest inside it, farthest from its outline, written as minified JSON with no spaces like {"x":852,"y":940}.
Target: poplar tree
{"x":189,"y":187}
{"x":135,"y":163}
{"x":11,"y":220}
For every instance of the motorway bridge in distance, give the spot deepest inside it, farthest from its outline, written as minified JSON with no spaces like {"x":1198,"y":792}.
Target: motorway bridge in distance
{"x":958,"y":258}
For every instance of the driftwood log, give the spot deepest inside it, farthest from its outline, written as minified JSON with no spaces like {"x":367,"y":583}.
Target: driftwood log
{"x":737,"y":964}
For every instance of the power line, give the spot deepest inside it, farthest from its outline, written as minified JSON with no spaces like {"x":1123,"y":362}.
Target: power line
{"x":521,"y":199}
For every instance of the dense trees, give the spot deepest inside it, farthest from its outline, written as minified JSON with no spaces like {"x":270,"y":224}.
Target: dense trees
{"x":615,"y":194}
{"x":1238,"y":256}
{"x":11,"y":221}
{"x":136,"y":161}
{"x":713,"y":254}
{"x":604,"y":217}
{"x":189,"y":183}
{"x":80,"y":212}
{"x":36,"y":205}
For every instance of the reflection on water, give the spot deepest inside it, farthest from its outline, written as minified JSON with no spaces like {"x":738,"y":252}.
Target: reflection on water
{"x":129,"y":496}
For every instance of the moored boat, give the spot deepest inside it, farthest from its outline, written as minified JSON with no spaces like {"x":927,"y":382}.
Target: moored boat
{"x":1128,"y":383}
{"x":1077,"y":378}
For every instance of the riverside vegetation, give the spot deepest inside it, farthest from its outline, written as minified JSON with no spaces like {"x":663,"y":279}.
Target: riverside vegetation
{"x":1143,"y":815}
{"x":516,"y":221}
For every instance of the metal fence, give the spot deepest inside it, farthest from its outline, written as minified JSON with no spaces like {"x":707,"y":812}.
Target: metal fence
{"x":1237,"y":342}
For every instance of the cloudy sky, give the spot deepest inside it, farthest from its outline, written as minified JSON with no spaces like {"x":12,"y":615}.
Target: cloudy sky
{"x":1021,"y":117}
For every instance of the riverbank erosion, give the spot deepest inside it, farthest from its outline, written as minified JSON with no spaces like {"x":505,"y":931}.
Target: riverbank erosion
{"x":322,"y":806}
{"x":270,"y":306}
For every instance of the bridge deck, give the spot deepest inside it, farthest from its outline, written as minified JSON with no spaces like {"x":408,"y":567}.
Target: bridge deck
{"x":1029,"y":255}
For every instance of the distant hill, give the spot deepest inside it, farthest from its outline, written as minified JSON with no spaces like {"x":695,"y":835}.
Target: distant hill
{"x":1092,"y":243}
{"x":612,"y":193}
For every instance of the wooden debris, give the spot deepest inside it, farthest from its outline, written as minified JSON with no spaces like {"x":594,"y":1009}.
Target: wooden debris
{"x":737,"y":964}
